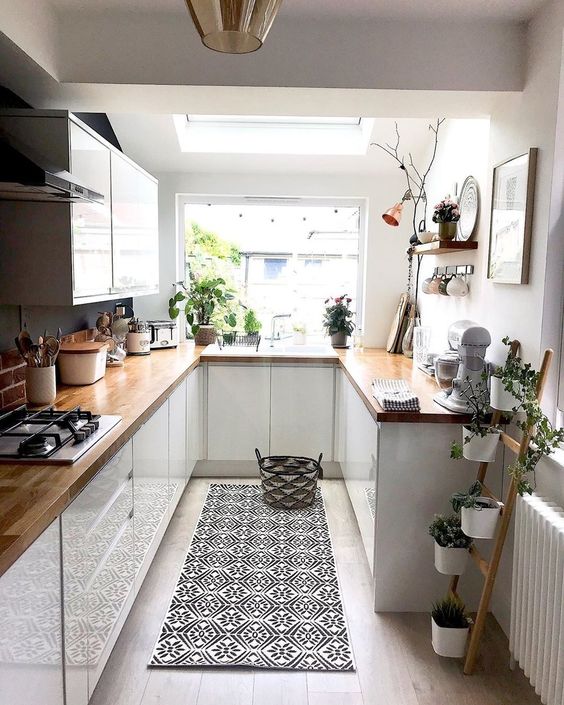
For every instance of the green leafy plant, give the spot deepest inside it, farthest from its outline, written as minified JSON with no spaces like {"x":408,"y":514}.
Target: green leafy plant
{"x":467,"y":499}
{"x":521,"y":380}
{"x":299,"y":328}
{"x":251,"y":323}
{"x":447,"y":532}
{"x":202,"y":299}
{"x":338,"y":316}
{"x":478,"y":400}
{"x":450,"y":613}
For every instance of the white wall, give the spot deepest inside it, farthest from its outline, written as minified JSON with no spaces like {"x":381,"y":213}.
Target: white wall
{"x":385,"y":260}
{"x":520,"y":122}
{"x":326,"y":51}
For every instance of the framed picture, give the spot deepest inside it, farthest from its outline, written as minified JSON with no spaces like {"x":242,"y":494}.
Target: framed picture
{"x":512,"y":217}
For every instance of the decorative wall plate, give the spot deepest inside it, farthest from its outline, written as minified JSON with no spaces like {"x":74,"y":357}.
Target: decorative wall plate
{"x":469,"y":209}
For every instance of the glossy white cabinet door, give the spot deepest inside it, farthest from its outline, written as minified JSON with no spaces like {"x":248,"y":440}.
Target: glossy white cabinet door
{"x":150,"y":447}
{"x":135,"y":228}
{"x":359,"y":434}
{"x":150,"y":483}
{"x":302,"y":411}
{"x":31,"y":656}
{"x":238,"y":411}
{"x":92,"y":527}
{"x":177,"y":444}
{"x":194,"y":418}
{"x":91,"y":222}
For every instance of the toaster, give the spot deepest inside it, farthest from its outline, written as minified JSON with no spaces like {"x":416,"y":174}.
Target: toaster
{"x":164,"y":334}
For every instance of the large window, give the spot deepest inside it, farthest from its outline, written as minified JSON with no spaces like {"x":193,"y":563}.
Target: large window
{"x":279,"y":258}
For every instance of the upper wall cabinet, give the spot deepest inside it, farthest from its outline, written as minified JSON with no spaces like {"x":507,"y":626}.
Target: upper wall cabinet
{"x":62,"y":254}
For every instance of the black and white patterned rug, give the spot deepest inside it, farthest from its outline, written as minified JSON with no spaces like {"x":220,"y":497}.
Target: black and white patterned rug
{"x":258,"y":589}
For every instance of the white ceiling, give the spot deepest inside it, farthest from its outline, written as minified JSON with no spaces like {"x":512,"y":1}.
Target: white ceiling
{"x":152,"y":142}
{"x":373,"y":9}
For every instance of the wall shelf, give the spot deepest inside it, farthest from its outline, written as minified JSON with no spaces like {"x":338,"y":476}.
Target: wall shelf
{"x":441,"y":247}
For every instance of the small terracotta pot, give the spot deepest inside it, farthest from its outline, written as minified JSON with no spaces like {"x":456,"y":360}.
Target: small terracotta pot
{"x":205,"y":335}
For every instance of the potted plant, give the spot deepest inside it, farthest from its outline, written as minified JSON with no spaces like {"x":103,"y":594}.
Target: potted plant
{"x":521,"y":380}
{"x":337,"y":320}
{"x":450,"y":626}
{"x":478,"y":513}
{"x":299,"y":333}
{"x":479,"y":439}
{"x":204,"y":298}
{"x":451,"y":544}
{"x":447,"y":215}
{"x":252,"y":325}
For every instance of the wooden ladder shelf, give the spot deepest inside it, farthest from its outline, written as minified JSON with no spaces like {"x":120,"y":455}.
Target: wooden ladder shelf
{"x":489,"y":568}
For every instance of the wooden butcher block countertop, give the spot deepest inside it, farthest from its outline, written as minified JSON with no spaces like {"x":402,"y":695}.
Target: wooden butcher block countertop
{"x":32,"y":496}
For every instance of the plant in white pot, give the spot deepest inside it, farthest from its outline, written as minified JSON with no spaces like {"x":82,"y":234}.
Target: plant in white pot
{"x":478,"y":512}
{"x":520,"y":381}
{"x":479,"y":439}
{"x":505,"y":387}
{"x":337,"y":320}
{"x":451,"y":544}
{"x":299,"y":331}
{"x":450,"y":626}
{"x":204,"y":298}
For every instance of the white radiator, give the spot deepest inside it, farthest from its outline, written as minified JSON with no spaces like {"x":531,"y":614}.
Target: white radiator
{"x":536,"y":639}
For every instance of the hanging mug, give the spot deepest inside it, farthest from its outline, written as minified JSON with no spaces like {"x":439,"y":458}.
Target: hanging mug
{"x":426,"y":285}
{"x":457,"y":286}
{"x":445,"y":281}
{"x":434,"y":285}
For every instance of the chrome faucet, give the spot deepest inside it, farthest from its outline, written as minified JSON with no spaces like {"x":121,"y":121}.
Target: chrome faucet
{"x":273,"y":326}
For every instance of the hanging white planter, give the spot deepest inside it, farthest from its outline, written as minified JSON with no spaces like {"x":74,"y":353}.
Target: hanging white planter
{"x":450,"y":561}
{"x":480,"y":522}
{"x":500,"y":398}
{"x":480,"y":448}
{"x":448,"y":641}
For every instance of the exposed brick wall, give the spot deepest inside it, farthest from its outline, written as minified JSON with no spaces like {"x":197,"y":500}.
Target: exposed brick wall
{"x":12,"y":371}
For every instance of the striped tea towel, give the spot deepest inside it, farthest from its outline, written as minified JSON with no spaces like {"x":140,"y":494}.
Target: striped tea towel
{"x":394,"y":395}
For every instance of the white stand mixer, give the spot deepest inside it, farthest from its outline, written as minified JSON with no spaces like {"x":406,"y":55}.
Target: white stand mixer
{"x":471,"y":342}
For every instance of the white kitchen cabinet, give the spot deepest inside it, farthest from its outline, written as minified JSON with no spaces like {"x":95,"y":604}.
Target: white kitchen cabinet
{"x":177,"y":445}
{"x":91,"y":222}
{"x":302,"y":410}
{"x":99,"y":251}
{"x":135,"y":228}
{"x":194,"y":419}
{"x":238,"y":411}
{"x":98,"y":565}
{"x":357,"y":450}
{"x":151,"y":488}
{"x":31,"y":655}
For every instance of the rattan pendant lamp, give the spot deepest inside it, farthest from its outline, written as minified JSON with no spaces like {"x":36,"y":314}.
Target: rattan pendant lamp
{"x":233,"y":26}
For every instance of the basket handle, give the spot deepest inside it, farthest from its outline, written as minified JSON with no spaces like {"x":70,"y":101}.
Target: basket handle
{"x":257,"y":453}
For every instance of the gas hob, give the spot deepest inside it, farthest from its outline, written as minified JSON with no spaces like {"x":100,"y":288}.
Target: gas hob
{"x":50,"y":436}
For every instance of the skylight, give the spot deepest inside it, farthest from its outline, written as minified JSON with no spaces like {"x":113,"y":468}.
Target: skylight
{"x":273,"y":134}
{"x":274,"y":120}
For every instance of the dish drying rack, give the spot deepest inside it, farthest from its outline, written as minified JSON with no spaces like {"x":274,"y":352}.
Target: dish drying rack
{"x":235,"y":339}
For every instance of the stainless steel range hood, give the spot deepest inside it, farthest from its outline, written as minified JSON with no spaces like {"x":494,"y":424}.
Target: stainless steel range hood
{"x":26,"y":176}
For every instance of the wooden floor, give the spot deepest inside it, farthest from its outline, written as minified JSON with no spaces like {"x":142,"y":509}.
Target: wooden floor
{"x":395,"y":662}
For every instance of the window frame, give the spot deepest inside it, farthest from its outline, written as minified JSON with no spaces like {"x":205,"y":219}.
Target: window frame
{"x":184,"y":199}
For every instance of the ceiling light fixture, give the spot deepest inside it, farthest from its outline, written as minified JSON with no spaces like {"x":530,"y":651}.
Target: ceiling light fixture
{"x":233,"y":26}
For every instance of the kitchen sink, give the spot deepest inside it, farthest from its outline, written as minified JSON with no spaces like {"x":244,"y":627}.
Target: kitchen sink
{"x":265,"y":350}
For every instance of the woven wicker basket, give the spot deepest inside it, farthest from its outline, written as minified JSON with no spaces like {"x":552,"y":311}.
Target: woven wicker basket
{"x":289,"y":482}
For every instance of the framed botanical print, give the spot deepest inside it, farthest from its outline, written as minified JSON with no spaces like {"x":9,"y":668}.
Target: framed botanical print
{"x":512,"y":218}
